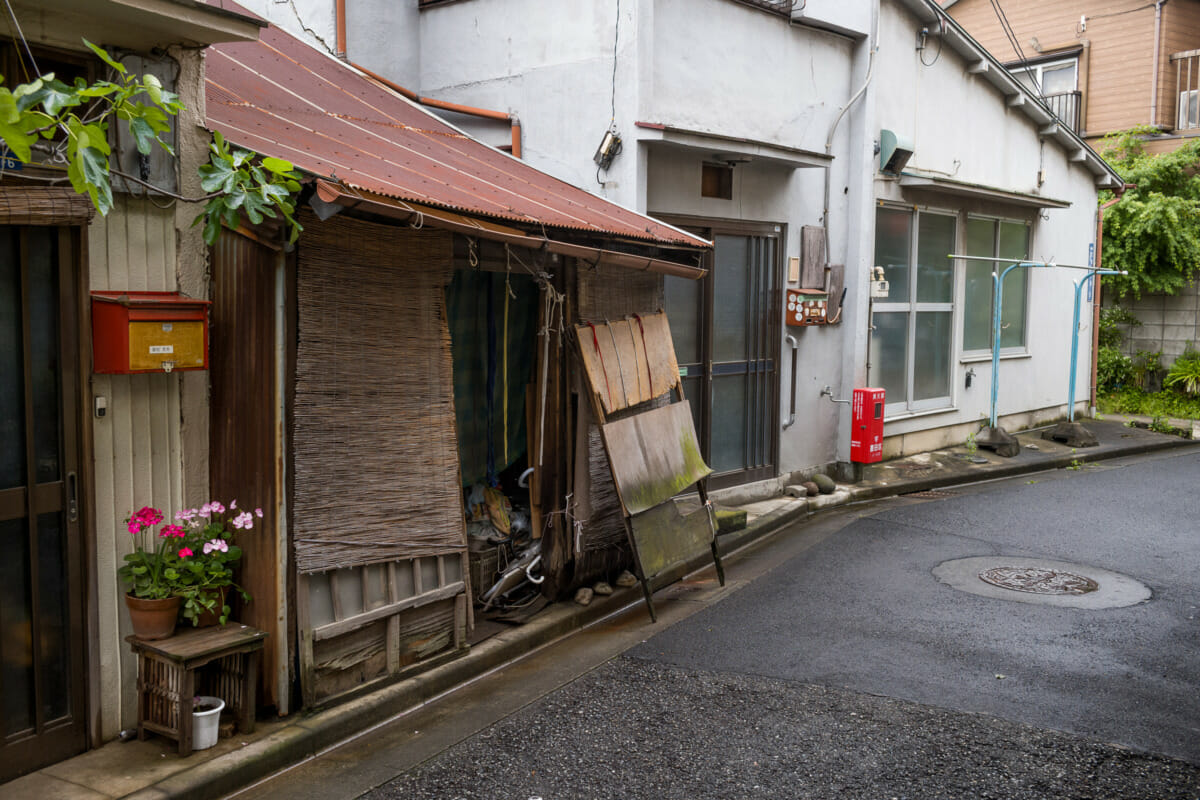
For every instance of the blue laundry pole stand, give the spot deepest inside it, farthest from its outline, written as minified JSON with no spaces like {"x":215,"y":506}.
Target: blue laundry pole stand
{"x":992,"y":436}
{"x":1072,"y":433}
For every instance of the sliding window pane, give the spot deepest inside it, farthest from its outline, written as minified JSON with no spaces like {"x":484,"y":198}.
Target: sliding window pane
{"x":977,"y":303}
{"x":892,"y":251}
{"x":12,"y":369}
{"x":931,"y":370}
{"x":1014,"y":244}
{"x":683,"y":314}
{"x":935,"y":269}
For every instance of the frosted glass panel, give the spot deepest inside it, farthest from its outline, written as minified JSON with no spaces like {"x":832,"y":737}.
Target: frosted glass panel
{"x":931,"y":370}
{"x":889,"y":355}
{"x":977,"y":309}
{"x":892,"y":251}
{"x":683,"y":312}
{"x":12,"y":381}
{"x":729,"y":426}
{"x":935,"y":270}
{"x":1014,"y":244}
{"x":731,"y":278}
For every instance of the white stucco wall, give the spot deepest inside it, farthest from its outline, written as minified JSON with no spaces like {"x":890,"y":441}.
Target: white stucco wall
{"x":962,"y":127}
{"x":734,"y":72}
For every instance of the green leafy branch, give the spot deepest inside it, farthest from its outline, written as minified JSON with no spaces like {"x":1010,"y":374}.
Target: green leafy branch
{"x":1154,"y":231}
{"x":70,"y":124}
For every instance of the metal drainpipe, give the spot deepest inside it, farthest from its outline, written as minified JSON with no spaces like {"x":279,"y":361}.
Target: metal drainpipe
{"x":1096,"y":287}
{"x":1157,"y":47}
{"x":873,"y":44}
{"x":339,"y":22}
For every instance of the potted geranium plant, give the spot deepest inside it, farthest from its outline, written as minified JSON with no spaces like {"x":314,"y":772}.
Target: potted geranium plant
{"x":209,"y":533}
{"x":153,"y":574}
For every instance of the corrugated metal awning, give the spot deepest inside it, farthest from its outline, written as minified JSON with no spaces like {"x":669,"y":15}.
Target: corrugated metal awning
{"x":281,"y":97}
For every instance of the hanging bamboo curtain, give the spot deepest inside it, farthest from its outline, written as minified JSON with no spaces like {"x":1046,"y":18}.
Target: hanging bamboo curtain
{"x":43,"y":205}
{"x":376,"y":461}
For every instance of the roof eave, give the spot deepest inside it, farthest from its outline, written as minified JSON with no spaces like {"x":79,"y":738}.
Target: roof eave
{"x":991,"y":70}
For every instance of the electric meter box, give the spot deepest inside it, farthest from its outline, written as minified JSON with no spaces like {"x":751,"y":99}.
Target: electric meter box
{"x":806,"y":307}
{"x":866,"y":426}
{"x":148,"y":332}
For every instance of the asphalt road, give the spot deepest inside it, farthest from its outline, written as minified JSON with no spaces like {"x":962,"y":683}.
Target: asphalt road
{"x":838,"y":665}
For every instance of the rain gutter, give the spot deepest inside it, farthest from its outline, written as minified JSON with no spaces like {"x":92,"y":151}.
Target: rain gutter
{"x":332,"y":193}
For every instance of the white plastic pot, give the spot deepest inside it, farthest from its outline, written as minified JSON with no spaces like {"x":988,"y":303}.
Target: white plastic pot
{"x":205,"y":724}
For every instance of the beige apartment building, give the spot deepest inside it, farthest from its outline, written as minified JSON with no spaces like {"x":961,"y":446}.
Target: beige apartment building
{"x":1101,"y":65}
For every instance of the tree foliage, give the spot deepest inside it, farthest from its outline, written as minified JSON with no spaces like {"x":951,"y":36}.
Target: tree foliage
{"x":1153,"y":232}
{"x":69,"y":125}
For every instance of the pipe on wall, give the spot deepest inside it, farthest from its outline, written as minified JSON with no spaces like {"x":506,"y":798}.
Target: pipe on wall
{"x":339,"y":24}
{"x":1157,"y":49}
{"x":458,"y":108}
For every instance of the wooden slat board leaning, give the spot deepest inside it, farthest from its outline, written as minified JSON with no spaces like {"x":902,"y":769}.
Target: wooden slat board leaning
{"x":653,"y":454}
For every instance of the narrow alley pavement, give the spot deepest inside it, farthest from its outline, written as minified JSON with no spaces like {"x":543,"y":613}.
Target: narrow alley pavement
{"x":853,"y":656}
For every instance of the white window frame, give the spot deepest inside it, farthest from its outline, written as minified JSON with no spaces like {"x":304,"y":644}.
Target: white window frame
{"x":913,"y":307}
{"x":960,"y":335}
{"x":1038,"y":70}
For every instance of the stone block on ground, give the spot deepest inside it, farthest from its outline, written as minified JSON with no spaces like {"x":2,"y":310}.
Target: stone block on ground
{"x":824,"y":483}
{"x":730,"y":519}
{"x":812,"y":488}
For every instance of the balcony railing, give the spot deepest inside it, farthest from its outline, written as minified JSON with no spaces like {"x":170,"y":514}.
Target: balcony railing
{"x":1065,"y":106}
{"x":1187,"y":89}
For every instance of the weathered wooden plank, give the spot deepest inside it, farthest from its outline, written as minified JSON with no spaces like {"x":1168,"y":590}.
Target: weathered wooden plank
{"x":344,"y":626}
{"x":665,"y":537}
{"x":628,"y":361}
{"x":654,"y":455}
{"x":812,"y":257}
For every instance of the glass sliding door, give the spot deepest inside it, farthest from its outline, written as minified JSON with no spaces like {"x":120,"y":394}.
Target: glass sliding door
{"x":726,"y":331}
{"x":41,"y":582}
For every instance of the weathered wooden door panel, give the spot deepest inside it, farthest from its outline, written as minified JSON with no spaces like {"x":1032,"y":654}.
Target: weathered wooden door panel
{"x":42,"y":703}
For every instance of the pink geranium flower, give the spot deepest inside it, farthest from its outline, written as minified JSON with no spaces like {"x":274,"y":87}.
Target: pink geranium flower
{"x":216,"y":544}
{"x":258,"y":513}
{"x":184,"y":552}
{"x":171,"y":532}
{"x":245,"y":520}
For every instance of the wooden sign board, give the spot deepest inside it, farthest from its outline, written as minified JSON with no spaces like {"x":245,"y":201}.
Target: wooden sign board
{"x":628,"y":361}
{"x":654,"y":456}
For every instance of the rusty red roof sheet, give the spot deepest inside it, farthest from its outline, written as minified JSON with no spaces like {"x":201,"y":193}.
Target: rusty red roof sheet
{"x":280,"y":97}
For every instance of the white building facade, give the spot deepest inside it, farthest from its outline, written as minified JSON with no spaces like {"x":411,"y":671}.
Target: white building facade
{"x":758,"y":124}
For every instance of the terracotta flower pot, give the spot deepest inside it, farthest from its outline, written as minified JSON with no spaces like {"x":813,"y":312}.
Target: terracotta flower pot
{"x":210,"y":617}
{"x":152,"y":619}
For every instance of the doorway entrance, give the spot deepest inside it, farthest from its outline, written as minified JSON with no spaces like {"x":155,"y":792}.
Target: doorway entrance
{"x":41,"y":578}
{"x":726,"y":331}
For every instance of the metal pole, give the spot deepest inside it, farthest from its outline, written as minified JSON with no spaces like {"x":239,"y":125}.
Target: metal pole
{"x":1079,"y":284}
{"x":998,"y":292}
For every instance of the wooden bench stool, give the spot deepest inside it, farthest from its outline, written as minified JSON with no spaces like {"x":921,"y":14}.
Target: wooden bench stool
{"x":168,"y":677}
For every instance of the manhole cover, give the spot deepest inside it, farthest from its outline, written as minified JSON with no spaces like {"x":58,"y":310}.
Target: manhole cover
{"x":1038,"y":581}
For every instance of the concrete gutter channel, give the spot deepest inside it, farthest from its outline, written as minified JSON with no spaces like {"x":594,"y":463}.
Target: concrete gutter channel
{"x":289,"y":741}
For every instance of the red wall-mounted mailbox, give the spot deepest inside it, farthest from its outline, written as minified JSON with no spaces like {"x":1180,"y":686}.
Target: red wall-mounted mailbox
{"x":148,"y":332}
{"x":866,"y":426}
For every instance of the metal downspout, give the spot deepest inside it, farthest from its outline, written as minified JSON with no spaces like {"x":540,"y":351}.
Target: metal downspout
{"x":873,"y":45}
{"x":339,"y":23}
{"x":458,"y":108}
{"x":1157,"y":48}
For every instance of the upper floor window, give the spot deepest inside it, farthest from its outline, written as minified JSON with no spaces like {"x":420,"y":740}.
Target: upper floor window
{"x":1187,"y":83}
{"x":1057,"y":83}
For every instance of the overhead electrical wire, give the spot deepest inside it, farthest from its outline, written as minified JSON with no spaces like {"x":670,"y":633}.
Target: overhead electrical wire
{"x":1016,"y":45}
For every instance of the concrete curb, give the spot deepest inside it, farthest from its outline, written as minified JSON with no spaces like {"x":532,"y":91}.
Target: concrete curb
{"x":313,"y":732}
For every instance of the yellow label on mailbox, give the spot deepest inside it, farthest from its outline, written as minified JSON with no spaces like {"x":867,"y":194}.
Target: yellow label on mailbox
{"x":152,"y":343}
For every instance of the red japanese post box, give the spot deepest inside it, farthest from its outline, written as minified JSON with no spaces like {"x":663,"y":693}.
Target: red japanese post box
{"x":866,"y":426}
{"x":148,"y":332}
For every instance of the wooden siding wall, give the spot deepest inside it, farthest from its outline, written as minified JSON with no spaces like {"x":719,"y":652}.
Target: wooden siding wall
{"x":137,"y":444}
{"x":244,"y":461}
{"x":1121,"y":56}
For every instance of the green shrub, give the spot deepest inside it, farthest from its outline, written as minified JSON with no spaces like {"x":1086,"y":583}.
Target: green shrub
{"x":1132,"y":400}
{"x":1111,"y":318}
{"x":1113,"y":369}
{"x":1185,"y":375}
